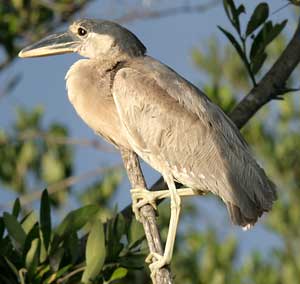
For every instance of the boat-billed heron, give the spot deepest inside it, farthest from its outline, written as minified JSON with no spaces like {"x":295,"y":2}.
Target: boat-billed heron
{"x":138,"y":103}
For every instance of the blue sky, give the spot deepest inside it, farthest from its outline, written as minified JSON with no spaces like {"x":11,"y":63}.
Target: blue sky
{"x":168,"y":39}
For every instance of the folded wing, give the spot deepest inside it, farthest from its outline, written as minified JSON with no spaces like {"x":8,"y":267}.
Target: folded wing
{"x":176,"y":129}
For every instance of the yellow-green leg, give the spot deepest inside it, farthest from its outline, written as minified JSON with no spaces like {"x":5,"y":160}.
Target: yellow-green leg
{"x":158,"y":261}
{"x":142,"y":196}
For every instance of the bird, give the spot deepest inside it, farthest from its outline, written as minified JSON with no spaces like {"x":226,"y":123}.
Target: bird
{"x":138,"y":103}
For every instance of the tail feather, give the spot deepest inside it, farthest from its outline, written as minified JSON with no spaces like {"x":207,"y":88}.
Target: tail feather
{"x":246,"y":213}
{"x":238,"y":218}
{"x":253,"y":193}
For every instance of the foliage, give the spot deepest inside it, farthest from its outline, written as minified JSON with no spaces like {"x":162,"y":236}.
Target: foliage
{"x":43,"y":160}
{"x":267,"y":32}
{"x":274,"y":136}
{"x":32,"y":251}
{"x":93,"y":243}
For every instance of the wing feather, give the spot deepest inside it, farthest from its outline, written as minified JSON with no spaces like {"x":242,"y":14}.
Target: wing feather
{"x":175,"y":128}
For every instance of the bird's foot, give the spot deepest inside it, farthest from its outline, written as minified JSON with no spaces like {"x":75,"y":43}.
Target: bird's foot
{"x":157,"y":262}
{"x":141,"y":197}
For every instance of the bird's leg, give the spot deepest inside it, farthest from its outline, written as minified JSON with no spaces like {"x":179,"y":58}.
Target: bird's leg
{"x":142,"y":196}
{"x":162,"y":260}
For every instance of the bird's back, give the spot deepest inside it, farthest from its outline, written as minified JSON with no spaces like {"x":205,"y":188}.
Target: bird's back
{"x":175,"y":122}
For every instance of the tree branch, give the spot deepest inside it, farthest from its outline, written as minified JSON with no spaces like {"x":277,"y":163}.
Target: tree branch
{"x":58,"y":186}
{"x":59,"y":140}
{"x":152,"y":14}
{"x":147,"y":212}
{"x":271,"y":85}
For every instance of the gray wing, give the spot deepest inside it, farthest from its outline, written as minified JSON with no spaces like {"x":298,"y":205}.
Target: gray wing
{"x":175,"y":128}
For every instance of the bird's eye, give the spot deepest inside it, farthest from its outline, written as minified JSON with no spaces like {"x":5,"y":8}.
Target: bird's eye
{"x":81,"y":32}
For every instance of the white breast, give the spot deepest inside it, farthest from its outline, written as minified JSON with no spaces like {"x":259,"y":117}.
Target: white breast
{"x":88,"y":86}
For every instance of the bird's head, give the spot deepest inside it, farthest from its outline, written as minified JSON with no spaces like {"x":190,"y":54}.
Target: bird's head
{"x":89,"y":38}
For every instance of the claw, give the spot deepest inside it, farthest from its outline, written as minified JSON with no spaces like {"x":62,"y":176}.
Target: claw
{"x":144,"y":194}
{"x":159,"y":262}
{"x":152,"y":257}
{"x":141,"y":197}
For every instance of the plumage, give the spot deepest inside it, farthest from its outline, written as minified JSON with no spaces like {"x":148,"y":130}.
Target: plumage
{"x":176,"y":129}
{"x":139,"y":104}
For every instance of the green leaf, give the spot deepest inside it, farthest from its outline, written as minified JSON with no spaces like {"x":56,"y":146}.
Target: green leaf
{"x":72,"y":246}
{"x":259,"y":16}
{"x":32,"y":257}
{"x":29,"y":221}
{"x":266,"y":35}
{"x":56,"y":257}
{"x":2,"y":227}
{"x":27,"y":154}
{"x":235,"y":44}
{"x":133,"y":261}
{"x":16,"y":208}
{"x":45,"y":218}
{"x":76,"y":219}
{"x":43,"y":271}
{"x":113,"y":238}
{"x":277,"y":29}
{"x":52,"y":167}
{"x":57,"y":274}
{"x":95,"y":252}
{"x":233,"y":13}
{"x":259,"y":42}
{"x":6,"y":246}
{"x":31,"y":235}
{"x":43,"y":251}
{"x":136,"y":233}
{"x":258,"y":62}
{"x":229,"y":8}
{"x":121,"y":226}
{"x":14,"y":229}
{"x":12,"y":266}
{"x":119,"y":273}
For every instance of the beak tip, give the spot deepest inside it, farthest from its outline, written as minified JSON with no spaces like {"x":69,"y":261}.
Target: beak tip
{"x":51,"y":45}
{"x":21,"y":54}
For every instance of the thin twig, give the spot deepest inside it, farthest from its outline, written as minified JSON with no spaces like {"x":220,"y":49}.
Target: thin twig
{"x":69,"y":275}
{"x":95,"y":143}
{"x":32,"y":135}
{"x":157,"y":14}
{"x":36,"y":194}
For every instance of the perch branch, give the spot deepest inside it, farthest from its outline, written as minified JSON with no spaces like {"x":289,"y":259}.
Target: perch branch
{"x":147,"y":212}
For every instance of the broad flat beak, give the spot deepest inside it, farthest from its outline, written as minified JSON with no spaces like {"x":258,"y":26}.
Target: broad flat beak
{"x":51,"y":45}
